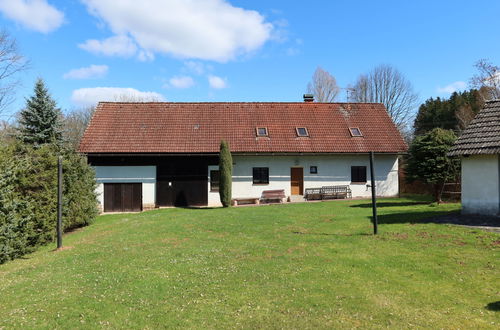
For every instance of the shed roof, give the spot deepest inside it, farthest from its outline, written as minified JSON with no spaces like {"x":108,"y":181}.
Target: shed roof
{"x":164,"y":127}
{"x":482,"y":136}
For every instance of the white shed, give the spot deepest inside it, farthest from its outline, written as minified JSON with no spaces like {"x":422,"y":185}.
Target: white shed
{"x":479,"y":149}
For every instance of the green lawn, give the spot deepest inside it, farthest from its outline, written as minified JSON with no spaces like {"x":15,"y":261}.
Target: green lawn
{"x":281,"y":266}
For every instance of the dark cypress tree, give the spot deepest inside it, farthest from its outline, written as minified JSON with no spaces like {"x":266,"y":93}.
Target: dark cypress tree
{"x":40,"y":121}
{"x":226,"y":174}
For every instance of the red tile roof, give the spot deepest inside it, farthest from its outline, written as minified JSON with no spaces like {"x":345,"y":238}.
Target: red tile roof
{"x":164,"y":127}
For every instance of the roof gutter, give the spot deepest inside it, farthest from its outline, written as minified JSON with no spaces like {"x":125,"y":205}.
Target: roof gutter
{"x":238,"y":154}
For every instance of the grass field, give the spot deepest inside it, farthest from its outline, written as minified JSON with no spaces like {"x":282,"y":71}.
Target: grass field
{"x":281,"y":266}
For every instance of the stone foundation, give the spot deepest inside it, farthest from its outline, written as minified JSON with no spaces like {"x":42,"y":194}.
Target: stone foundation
{"x":148,"y":207}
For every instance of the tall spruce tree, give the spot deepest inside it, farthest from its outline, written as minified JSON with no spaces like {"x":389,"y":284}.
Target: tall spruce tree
{"x":226,"y":174}
{"x":40,"y":121}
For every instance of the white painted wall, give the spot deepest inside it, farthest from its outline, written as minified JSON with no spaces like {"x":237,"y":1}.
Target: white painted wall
{"x":128,"y":174}
{"x":480,"y":185}
{"x":332,"y":170}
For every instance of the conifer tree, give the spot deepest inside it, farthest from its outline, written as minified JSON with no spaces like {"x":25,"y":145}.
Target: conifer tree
{"x":40,"y":121}
{"x":428,"y":162}
{"x":226,"y":174}
{"x":454,"y":113}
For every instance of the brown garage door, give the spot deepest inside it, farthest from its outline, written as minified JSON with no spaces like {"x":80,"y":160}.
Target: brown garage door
{"x":122,"y":197}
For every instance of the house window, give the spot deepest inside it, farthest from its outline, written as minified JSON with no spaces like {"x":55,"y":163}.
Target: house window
{"x":355,"y":131}
{"x":302,"y":131}
{"x":261,"y":131}
{"x":358,"y":174}
{"x":313,"y":170}
{"x":261,"y":175}
{"x":214,"y":180}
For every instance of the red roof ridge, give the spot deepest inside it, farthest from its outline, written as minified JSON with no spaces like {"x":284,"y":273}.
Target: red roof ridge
{"x":240,"y":102}
{"x":198,"y":127}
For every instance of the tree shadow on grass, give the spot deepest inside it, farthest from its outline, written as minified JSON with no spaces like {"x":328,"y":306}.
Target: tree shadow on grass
{"x":442,"y":217}
{"x":493,"y":306}
{"x":418,"y":217}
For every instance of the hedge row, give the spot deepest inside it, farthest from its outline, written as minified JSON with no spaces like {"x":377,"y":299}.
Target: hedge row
{"x":28,"y":197}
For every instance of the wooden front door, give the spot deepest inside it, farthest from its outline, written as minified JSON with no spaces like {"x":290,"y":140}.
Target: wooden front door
{"x":297,"y":180}
{"x":122,"y":197}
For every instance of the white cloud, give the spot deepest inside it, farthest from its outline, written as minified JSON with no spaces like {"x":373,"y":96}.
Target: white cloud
{"x":91,"y":96}
{"x":119,"y":45}
{"x":90,"y":72}
{"x":280,"y":33}
{"x":217,"y":82}
{"x":196,"y":67}
{"x":453,"y":87}
{"x":181,"y":82}
{"x":202,"y":29}
{"x":35,"y":15}
{"x":145,"y":56}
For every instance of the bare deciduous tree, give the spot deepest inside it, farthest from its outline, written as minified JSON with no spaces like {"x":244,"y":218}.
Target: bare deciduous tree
{"x":7,"y":132}
{"x":464,"y":115}
{"x":75,"y":123}
{"x":385,"y":84}
{"x":11,"y":63}
{"x":487,"y":79}
{"x":323,"y":86}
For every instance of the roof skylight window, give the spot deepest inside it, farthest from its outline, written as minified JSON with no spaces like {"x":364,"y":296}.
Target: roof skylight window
{"x":261,"y":131}
{"x":355,"y":131}
{"x":302,"y":131}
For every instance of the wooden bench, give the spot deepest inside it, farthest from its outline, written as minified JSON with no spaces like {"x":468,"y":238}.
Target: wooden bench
{"x":242,"y":201}
{"x":273,"y":195}
{"x":312,"y":193}
{"x":331,"y":192}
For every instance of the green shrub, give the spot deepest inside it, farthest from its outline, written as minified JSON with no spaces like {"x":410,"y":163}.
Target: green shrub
{"x":79,"y":199}
{"x":28,"y":196}
{"x":38,"y":186}
{"x":16,"y":225}
{"x":226,"y":174}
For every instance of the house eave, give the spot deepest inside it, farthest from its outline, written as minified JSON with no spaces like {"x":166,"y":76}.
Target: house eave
{"x":142,"y":154}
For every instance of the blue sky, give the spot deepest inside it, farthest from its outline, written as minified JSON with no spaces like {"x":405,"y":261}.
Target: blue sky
{"x":227,"y":50}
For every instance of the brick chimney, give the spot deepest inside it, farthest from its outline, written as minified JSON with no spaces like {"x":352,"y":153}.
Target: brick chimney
{"x":308,"y":98}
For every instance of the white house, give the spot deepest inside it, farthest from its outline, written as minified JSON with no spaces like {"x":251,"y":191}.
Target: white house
{"x":149,"y":155}
{"x":479,"y":149}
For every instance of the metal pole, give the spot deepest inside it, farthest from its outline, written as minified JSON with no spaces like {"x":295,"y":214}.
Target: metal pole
{"x":59,"y":202}
{"x":374,"y":195}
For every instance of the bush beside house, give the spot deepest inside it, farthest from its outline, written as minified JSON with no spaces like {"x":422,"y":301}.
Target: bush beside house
{"x":28,"y":180}
{"x":428,"y":160}
{"x":28,"y":197}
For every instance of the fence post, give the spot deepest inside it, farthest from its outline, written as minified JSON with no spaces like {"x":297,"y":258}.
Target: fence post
{"x":59,"y":202}
{"x":374,"y":195}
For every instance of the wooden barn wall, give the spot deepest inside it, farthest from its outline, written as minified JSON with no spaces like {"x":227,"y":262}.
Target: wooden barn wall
{"x":181,"y":180}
